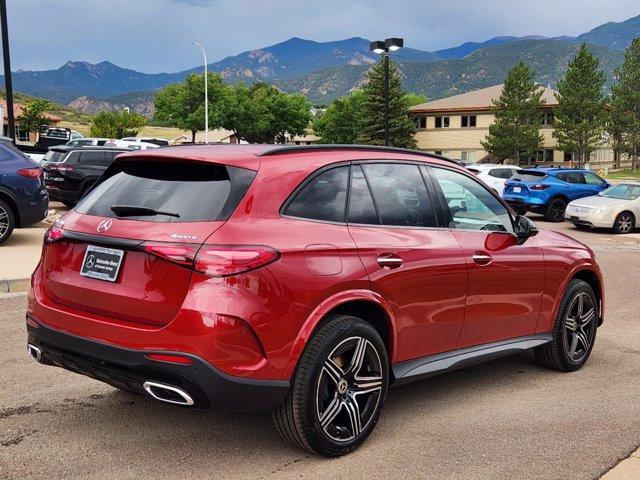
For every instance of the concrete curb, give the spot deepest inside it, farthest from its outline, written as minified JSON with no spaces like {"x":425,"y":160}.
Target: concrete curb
{"x":15,"y":286}
{"x":627,"y":469}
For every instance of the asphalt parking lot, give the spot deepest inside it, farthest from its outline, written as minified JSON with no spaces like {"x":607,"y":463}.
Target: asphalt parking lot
{"x":505,"y":419}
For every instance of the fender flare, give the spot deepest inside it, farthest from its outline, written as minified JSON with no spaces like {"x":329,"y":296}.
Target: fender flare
{"x":317,"y":315}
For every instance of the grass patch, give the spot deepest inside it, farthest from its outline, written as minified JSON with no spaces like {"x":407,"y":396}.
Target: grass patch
{"x":626,"y":174}
{"x":167,"y":133}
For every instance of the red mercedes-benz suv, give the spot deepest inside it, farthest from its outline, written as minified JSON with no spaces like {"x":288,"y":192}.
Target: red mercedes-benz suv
{"x":301,"y":280}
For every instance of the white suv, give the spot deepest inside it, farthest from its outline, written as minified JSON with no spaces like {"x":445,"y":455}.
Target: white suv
{"x":494,"y":174}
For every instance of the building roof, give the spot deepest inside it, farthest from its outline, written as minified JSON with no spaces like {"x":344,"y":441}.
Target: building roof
{"x":476,"y":100}
{"x":17,"y":111}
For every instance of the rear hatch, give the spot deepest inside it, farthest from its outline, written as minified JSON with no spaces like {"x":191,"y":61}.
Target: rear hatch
{"x":522,"y":182}
{"x":124,"y":251}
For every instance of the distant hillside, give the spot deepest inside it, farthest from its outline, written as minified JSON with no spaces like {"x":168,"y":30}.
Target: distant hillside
{"x":68,"y":114}
{"x":485,"y":67}
{"x":614,"y":35}
{"x":140,"y":102}
{"x":469,"y":47}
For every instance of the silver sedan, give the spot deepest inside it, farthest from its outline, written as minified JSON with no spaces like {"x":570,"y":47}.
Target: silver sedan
{"x":617,"y":207}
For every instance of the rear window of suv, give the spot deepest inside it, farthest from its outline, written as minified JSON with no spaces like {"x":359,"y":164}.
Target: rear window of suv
{"x":528,"y":176}
{"x":54,"y":156}
{"x":191,"y":192}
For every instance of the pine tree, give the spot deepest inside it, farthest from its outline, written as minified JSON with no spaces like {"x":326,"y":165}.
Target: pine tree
{"x":401,"y":128}
{"x":580,"y":115}
{"x":515,"y":132}
{"x":625,"y":113}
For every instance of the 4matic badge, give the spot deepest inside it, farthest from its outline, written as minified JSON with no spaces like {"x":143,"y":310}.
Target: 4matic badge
{"x":182,"y":236}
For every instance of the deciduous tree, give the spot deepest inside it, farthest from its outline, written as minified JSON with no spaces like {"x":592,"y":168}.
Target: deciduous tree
{"x":34,"y":115}
{"x":341,"y":123}
{"x":117,"y":124}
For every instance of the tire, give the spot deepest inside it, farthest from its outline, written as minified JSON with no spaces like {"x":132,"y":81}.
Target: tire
{"x":324,"y":391}
{"x":573,"y":338}
{"x":7,"y":221}
{"x":555,"y":210}
{"x":625,"y":223}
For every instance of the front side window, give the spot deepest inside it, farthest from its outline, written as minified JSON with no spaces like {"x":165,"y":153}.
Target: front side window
{"x":400,"y":195}
{"x":472,"y":206}
{"x":593,"y":179}
{"x":324,"y":197}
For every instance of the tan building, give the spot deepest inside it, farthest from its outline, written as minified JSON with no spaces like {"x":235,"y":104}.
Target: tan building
{"x":455,"y":126}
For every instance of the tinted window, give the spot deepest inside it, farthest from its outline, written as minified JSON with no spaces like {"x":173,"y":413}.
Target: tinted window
{"x":196,"y":192}
{"x":529,"y":176}
{"x":93,"y":158}
{"x":572,"y":177}
{"x":472,"y":206}
{"x":323,"y":198}
{"x":501,"y":173}
{"x":361,"y":207}
{"x":54,"y":156}
{"x":400,"y":194}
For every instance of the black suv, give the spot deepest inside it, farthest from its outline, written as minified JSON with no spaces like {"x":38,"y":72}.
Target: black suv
{"x":23,"y":198}
{"x":69,"y":171}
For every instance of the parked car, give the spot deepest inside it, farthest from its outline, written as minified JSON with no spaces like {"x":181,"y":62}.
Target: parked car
{"x":303,"y":280}
{"x":88,"y":142}
{"x":130,"y":145}
{"x":49,"y":136}
{"x":23,"y":198}
{"x":617,"y":208}
{"x":160,"y":142}
{"x":547,"y":191}
{"x":493,"y":174}
{"x":70,"y":171}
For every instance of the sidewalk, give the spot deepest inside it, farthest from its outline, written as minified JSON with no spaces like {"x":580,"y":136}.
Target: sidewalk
{"x":628,"y":469}
{"x":18,"y":258}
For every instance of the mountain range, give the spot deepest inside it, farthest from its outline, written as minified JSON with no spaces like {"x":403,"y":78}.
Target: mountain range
{"x":325,"y":70}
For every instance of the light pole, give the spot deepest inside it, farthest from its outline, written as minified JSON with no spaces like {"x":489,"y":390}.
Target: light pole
{"x":8,"y":88}
{"x":384,"y":48}
{"x":206,"y":93}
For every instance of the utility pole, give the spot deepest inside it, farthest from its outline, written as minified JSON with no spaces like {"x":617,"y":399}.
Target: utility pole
{"x":7,"y":71}
{"x":206,"y":93}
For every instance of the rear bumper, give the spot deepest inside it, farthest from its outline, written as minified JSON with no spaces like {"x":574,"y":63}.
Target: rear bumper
{"x":130,"y":369}
{"x":34,"y":209}
{"x":528,"y":202}
{"x":63,"y":195}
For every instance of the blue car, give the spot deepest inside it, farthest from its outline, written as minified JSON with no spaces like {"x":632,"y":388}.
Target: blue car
{"x":547,"y":191}
{"x":23,"y":197}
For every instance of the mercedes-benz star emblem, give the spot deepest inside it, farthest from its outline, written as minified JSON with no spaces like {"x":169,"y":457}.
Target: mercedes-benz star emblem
{"x":91,"y":261}
{"x":104,"y":225}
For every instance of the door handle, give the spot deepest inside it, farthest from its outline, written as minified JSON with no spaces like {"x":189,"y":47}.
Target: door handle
{"x":390,"y":260}
{"x":482,"y":258}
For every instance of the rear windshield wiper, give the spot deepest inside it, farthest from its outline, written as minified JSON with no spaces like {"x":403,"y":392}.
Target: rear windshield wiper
{"x":136,"y":211}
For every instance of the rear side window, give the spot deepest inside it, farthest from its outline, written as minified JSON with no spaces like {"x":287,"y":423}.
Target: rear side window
{"x":503,"y":173}
{"x":571,"y":177}
{"x":324,"y":197}
{"x":361,"y":206}
{"x":400,"y":195}
{"x":193,"y":191}
{"x":94,"y":158}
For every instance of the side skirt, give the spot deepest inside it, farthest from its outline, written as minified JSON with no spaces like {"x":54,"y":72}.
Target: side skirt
{"x":417,"y":368}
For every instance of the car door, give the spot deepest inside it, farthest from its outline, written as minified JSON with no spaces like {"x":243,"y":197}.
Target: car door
{"x":505,"y":280}
{"x":412,"y":259}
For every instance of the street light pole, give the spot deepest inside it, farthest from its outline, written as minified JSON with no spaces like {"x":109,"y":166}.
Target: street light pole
{"x":206,"y":93}
{"x":385,"y":60}
{"x":383,"y":48}
{"x":8,"y":87}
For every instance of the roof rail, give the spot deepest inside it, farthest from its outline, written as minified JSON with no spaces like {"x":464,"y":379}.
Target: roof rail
{"x":375,"y":148}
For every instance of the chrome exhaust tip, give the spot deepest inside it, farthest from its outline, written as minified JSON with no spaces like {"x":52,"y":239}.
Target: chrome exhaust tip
{"x":34,"y":352}
{"x":168,"y":394}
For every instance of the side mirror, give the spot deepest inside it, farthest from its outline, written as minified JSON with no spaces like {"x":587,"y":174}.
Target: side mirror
{"x":524,"y":228}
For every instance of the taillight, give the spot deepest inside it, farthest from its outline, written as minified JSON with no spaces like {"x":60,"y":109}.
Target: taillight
{"x":35,"y":172}
{"x":226,"y":260}
{"x":215,"y":260}
{"x":539,"y":186}
{"x":53,"y":234}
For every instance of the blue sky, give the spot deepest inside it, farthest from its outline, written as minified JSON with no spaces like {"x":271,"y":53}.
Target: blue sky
{"x":154,"y":35}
